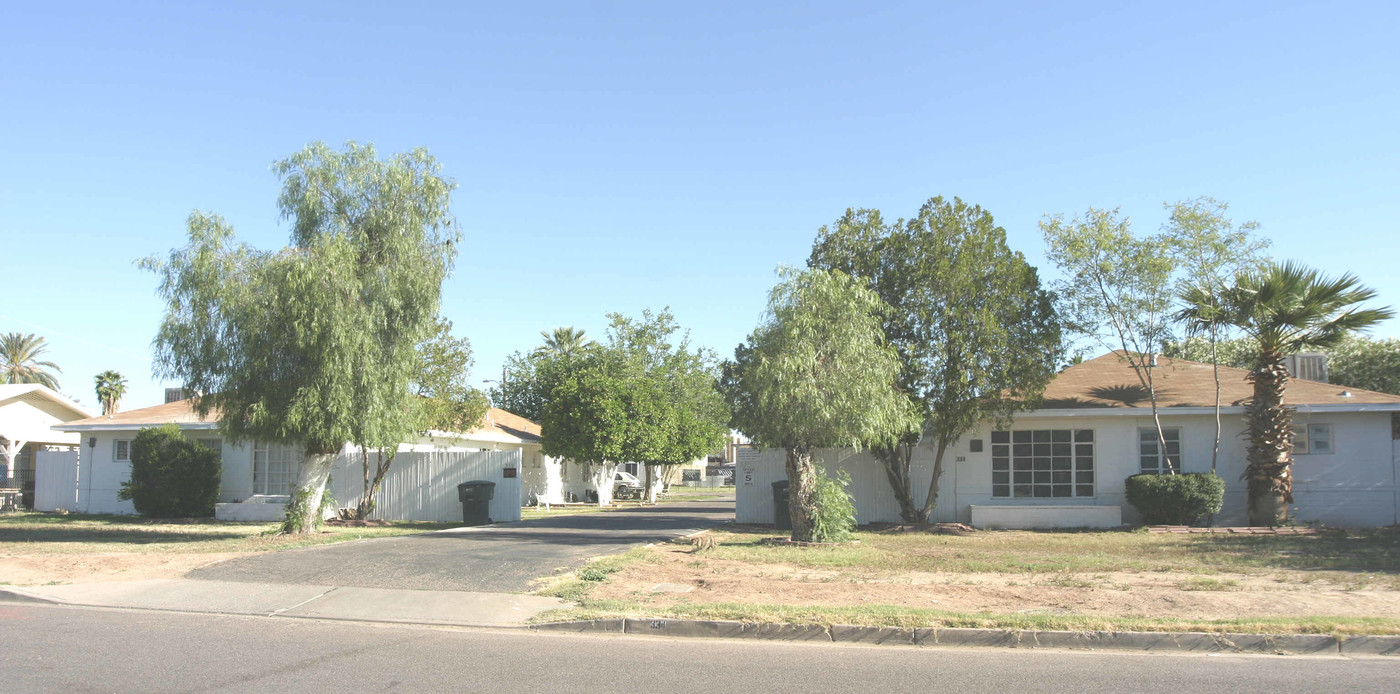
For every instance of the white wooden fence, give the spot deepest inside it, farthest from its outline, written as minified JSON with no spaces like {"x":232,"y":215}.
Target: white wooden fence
{"x":55,"y":480}
{"x":422,"y":486}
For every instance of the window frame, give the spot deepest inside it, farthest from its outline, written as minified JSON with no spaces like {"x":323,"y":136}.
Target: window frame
{"x":1160,"y":468}
{"x":1303,"y":434}
{"x":288,"y":462}
{"x":1033,"y":460}
{"x":117,"y":450}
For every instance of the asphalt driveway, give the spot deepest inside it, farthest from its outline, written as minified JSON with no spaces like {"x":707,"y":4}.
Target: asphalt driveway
{"x":498,"y":559}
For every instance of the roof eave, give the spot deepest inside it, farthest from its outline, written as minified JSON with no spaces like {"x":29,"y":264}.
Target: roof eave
{"x":131,"y":426}
{"x":1205,"y":410}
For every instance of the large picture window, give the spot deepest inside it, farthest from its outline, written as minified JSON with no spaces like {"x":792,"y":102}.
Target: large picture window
{"x":275,"y":468}
{"x":1043,"y":463}
{"x":1150,"y":458}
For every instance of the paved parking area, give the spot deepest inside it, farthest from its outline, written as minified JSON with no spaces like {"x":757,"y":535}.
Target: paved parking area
{"x":499,"y":558}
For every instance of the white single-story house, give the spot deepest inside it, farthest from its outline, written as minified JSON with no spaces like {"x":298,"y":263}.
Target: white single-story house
{"x":28,"y":411}
{"x":258,"y":477}
{"x":1064,"y":464}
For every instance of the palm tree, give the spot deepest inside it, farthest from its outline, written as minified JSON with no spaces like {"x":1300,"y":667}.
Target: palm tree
{"x":111,"y":386}
{"x":563,"y":341}
{"x":1287,"y":308}
{"x":19,"y":360}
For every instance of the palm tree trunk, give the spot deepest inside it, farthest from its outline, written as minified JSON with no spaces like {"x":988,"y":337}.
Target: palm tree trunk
{"x":1269,"y":471}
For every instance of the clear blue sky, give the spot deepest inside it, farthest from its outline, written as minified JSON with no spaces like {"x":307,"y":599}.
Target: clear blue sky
{"x":616,"y":157}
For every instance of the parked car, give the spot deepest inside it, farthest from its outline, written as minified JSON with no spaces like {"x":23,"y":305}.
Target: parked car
{"x":627,"y":486}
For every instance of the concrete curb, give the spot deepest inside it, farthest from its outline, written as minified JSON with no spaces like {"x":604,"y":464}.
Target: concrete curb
{"x":10,"y":594}
{"x":1142,"y":641}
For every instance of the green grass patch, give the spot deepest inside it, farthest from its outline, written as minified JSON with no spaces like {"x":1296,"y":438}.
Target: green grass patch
{"x":1029,"y":552}
{"x":576,"y":585}
{"x":909,"y":617}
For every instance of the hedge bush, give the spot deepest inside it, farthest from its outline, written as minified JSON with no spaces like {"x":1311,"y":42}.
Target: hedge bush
{"x":835,"y":516}
{"x":1183,"y":499}
{"x":171,"y":475}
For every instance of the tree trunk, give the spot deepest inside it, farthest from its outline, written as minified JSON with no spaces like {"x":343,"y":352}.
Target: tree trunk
{"x":366,"y":505}
{"x":604,"y":476}
{"x":1167,"y":465}
{"x":304,"y":510}
{"x":802,"y":491}
{"x":1269,"y":471}
{"x":1215,"y":365}
{"x":896,"y":461}
{"x":656,"y":480}
{"x":931,"y":502}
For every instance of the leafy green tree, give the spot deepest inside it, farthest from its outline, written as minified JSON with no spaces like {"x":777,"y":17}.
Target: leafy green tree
{"x":587,"y":417}
{"x":171,"y":476}
{"x":817,"y":372}
{"x":1361,"y":362}
{"x":110,"y":387}
{"x":19,"y":361}
{"x":1238,"y":352}
{"x":677,"y":415}
{"x":444,"y":401}
{"x":314,"y":345}
{"x":977,"y":337}
{"x":1210,"y":250}
{"x":1287,"y":308}
{"x":1116,"y":289}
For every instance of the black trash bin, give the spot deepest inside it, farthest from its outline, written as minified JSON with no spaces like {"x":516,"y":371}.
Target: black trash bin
{"x":476,"y":501}
{"x":782,"y":519}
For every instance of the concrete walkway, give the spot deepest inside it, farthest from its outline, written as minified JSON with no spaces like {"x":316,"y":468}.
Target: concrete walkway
{"x":457,"y":608}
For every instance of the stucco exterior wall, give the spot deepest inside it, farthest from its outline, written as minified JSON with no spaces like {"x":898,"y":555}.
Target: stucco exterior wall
{"x":1355,"y":485}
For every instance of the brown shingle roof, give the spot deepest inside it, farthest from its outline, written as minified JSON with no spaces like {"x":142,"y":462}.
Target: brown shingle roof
{"x":510,"y":423}
{"x":178,"y":412}
{"x":182,"y":412}
{"x":1109,"y":382}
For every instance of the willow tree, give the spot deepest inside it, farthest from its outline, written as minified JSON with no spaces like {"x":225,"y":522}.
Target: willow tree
{"x":817,"y":373}
{"x":977,"y":336}
{"x":313,"y":345}
{"x":444,"y":401}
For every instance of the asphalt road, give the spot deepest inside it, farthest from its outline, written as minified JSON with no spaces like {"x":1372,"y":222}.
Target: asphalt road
{"x":498,"y":559}
{"x":69,"y":650}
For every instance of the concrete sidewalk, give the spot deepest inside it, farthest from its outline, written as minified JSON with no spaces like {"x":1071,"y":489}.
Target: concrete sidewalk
{"x":456,"y":608}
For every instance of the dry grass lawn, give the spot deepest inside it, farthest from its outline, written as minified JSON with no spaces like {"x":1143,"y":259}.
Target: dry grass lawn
{"x":1332,"y":582}
{"x":43,"y":548}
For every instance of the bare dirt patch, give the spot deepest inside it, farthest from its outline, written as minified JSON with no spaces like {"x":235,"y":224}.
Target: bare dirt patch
{"x":1154,"y":594}
{"x":47,"y":569}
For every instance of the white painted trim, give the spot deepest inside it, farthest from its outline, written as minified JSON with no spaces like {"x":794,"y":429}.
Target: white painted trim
{"x":1169,"y":411}
{"x":202,"y":426}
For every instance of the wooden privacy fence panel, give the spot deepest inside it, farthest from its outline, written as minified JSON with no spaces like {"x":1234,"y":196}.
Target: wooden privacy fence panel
{"x":422,"y":486}
{"x":55,"y":480}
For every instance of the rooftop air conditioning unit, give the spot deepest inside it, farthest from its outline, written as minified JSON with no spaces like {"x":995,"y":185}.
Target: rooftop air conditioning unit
{"x":1308,"y":366}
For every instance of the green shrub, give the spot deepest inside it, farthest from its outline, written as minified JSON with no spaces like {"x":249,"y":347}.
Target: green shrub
{"x":835,"y":515}
{"x":1184,"y":499}
{"x":171,"y":476}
